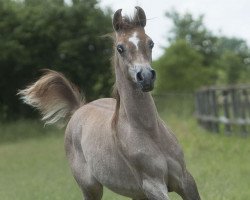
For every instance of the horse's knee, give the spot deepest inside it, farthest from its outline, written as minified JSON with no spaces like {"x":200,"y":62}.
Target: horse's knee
{"x":155,"y":190}
{"x":189,"y":189}
{"x":90,"y":187}
{"x":92,"y":193}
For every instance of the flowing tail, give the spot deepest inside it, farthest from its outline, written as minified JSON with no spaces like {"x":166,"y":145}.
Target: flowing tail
{"x":53,"y":95}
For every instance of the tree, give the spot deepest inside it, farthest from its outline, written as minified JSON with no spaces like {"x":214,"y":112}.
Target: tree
{"x":194,"y":32}
{"x":196,"y":57}
{"x":181,"y":69}
{"x":36,"y":34}
{"x":230,"y":67}
{"x":233,"y":62}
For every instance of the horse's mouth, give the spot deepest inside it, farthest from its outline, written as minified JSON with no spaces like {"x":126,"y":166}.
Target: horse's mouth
{"x":147,"y":88}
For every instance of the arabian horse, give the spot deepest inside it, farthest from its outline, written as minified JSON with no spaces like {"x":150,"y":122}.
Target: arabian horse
{"x":120,"y":143}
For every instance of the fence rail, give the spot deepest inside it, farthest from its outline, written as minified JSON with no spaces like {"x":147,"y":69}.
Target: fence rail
{"x":226,"y":108}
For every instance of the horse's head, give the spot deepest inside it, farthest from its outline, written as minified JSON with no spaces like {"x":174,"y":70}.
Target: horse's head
{"x":134,"y":49}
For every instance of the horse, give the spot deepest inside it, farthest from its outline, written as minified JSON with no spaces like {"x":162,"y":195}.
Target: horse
{"x":120,"y":143}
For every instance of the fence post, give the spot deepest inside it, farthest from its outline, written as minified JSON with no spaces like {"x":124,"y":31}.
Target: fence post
{"x":203,"y":109}
{"x":197,"y":106}
{"x":235,"y":103}
{"x":247,"y":102}
{"x":243,"y":112}
{"x":215,"y":124}
{"x":206,"y":108}
{"x":226,"y":112}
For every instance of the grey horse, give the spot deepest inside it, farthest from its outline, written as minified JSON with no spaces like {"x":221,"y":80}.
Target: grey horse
{"x":119,"y":143}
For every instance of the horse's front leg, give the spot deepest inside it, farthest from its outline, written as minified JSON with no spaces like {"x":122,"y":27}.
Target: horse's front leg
{"x":189,"y":190}
{"x":155,"y":189}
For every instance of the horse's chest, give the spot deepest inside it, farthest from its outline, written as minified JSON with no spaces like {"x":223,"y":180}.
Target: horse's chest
{"x":143,"y":152}
{"x":109,"y":167}
{"x":116,"y":165}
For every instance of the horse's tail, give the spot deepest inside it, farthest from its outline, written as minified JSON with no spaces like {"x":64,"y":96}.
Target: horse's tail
{"x":53,"y":95}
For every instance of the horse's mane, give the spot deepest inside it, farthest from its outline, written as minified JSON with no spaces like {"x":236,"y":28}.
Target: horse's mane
{"x":115,"y":92}
{"x":129,"y":22}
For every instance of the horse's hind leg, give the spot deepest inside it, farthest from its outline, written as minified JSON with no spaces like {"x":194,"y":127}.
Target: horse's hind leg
{"x":189,"y":190}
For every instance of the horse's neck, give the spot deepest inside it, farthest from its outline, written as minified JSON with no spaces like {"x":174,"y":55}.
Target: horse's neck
{"x":137,"y":106}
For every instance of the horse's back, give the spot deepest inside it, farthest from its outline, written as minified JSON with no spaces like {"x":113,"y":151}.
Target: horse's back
{"x":98,"y":111}
{"x":90,"y":124}
{"x":86,"y":119}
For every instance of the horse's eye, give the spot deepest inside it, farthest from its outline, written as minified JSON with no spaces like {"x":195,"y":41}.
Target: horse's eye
{"x":151,"y":44}
{"x":120,"y":48}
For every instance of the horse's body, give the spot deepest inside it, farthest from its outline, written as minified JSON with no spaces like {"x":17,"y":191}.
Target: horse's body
{"x":100,"y":159}
{"x":121,"y":144}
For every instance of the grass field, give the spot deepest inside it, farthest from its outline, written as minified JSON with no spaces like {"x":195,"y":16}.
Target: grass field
{"x":33,"y":163}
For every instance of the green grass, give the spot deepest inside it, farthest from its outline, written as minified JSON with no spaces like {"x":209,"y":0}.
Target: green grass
{"x":35,"y":166}
{"x":33,"y":163}
{"x":219,"y":163}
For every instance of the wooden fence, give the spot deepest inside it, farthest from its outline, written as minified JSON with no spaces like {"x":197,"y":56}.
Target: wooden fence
{"x":224,"y":109}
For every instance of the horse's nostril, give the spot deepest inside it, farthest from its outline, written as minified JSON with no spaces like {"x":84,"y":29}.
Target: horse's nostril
{"x":139,"y":76}
{"x":153,"y":74}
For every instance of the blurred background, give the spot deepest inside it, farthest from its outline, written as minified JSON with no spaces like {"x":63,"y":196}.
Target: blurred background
{"x":202,"y":59}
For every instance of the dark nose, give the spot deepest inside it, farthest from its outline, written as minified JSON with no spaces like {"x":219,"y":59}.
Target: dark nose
{"x":153,"y":74}
{"x":139,"y":76}
{"x":142,"y":76}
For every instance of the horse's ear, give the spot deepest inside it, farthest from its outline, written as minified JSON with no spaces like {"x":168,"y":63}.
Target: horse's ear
{"x":140,"y":17}
{"x":117,"y":20}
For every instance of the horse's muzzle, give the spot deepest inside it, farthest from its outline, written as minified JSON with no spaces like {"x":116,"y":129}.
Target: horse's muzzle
{"x":145,"y":79}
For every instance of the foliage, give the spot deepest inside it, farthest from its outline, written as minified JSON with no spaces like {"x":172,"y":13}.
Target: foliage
{"x":234,"y":62}
{"x":194,"y":32}
{"x":196,"y":57}
{"x":51,"y":34}
{"x":181,"y":68}
{"x":229,"y":67}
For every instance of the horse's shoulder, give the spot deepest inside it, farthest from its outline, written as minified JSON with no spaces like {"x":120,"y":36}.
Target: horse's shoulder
{"x":103,"y":104}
